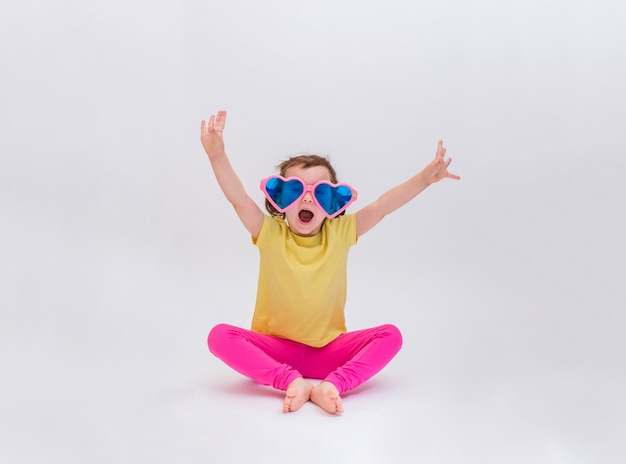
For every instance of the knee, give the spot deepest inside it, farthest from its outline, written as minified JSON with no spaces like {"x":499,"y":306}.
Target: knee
{"x":393,"y":335}
{"x":217,"y":336}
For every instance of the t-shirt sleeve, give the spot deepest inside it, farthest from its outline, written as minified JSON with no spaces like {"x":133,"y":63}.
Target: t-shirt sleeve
{"x":268,"y":223}
{"x":345,"y":228}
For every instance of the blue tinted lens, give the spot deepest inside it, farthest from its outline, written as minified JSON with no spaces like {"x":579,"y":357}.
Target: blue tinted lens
{"x":332,"y":199}
{"x":283,"y":193}
{"x":324,"y":196}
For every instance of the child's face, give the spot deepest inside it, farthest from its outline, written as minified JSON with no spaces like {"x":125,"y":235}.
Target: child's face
{"x":305,"y":218}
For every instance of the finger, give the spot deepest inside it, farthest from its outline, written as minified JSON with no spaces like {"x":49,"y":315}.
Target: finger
{"x":221,"y":118}
{"x":211,"y":122}
{"x":441,"y":150}
{"x":203,"y":126}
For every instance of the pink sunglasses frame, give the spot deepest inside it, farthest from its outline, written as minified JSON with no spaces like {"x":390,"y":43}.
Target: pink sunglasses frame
{"x":308,"y":189}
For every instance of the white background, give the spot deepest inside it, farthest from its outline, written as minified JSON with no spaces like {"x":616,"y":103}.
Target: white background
{"x":118,"y":252}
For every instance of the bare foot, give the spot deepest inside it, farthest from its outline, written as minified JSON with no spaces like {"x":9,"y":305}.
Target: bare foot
{"x":298,"y":392}
{"x":326,"y":396}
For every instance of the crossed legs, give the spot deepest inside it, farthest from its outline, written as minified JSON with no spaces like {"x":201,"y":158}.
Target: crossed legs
{"x":343,"y":364}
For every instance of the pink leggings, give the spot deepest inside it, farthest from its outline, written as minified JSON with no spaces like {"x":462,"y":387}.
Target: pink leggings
{"x":346,"y":362}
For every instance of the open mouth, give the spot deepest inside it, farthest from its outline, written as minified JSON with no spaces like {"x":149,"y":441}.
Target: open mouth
{"x":305,"y":215}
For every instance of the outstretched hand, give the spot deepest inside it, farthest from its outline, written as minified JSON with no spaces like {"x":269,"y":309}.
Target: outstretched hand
{"x":438,"y":168}
{"x":211,"y":134}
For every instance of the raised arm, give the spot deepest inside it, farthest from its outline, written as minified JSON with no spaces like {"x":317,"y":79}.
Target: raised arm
{"x":213,"y":142}
{"x":372,"y":214}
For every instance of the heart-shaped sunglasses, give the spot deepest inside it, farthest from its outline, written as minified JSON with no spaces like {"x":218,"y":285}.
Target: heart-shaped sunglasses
{"x":283,"y":193}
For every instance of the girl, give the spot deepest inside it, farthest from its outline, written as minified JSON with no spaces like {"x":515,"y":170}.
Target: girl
{"x":298,"y":329}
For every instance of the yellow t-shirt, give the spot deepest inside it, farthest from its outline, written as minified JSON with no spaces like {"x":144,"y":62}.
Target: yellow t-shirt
{"x":302,"y":280}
